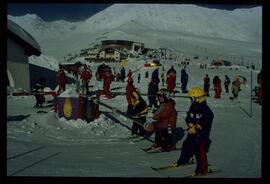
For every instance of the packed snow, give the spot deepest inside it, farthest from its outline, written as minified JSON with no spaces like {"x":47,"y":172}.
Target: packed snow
{"x":43,"y":144}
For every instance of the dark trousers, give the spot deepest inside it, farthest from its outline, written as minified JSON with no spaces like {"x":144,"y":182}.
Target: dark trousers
{"x":152,"y":101}
{"x":184,"y":87}
{"x":194,"y":146}
{"x":206,"y":89}
{"x":164,"y":139}
{"x":136,"y":127}
{"x":227,"y":88}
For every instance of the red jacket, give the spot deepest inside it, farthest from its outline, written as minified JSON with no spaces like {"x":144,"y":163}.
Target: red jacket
{"x":86,"y":75}
{"x":166,"y":114}
{"x":171,"y":78}
{"x":129,"y":74}
{"x":61,"y":77}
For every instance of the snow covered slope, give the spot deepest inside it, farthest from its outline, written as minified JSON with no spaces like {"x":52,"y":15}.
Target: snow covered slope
{"x":100,"y":148}
{"x":153,"y":21}
{"x":243,"y":25}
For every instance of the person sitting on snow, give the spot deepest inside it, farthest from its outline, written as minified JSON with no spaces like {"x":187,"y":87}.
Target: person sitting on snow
{"x":165,"y":124}
{"x":138,"y":111}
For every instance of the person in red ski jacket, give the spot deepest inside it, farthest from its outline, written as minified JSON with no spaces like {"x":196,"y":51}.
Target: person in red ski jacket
{"x":61,"y":79}
{"x":166,"y":118}
{"x":129,"y":89}
{"x":171,"y":79}
{"x":104,"y":73}
{"x":217,"y":86}
{"x":129,"y":75}
{"x":86,"y":75}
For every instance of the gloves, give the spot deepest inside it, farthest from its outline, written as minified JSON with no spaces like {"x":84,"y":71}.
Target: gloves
{"x":193,"y":129}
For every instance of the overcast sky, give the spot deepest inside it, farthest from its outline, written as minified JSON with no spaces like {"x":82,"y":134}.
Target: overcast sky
{"x":77,"y":12}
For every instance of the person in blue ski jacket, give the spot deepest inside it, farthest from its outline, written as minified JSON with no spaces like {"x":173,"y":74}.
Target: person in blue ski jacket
{"x":155,"y":75}
{"x":184,"y":80}
{"x":199,"y":121}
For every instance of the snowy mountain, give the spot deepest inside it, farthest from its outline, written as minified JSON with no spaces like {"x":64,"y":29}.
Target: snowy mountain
{"x":240,"y":24}
{"x":244,"y":24}
{"x":42,"y":30}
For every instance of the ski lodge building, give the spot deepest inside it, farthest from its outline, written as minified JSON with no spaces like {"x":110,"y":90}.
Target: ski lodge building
{"x":113,"y":51}
{"x":20,"y":45}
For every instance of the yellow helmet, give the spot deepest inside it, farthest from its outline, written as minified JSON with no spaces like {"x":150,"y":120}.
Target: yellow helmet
{"x":198,"y":94}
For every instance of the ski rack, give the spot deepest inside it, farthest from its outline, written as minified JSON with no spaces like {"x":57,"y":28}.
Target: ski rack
{"x":138,"y":122}
{"x":145,"y":94}
{"x":53,"y":93}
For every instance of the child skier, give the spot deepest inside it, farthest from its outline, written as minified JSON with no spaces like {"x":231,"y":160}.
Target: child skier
{"x":165,"y":124}
{"x":171,"y":79}
{"x":199,"y":121}
{"x":138,"y":111}
{"x":217,"y":86}
{"x":152,"y":92}
{"x":226,"y":83}
{"x":86,"y":77}
{"x":206,"y":84}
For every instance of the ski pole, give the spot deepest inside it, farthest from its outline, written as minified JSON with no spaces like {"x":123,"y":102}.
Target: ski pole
{"x":138,"y":122}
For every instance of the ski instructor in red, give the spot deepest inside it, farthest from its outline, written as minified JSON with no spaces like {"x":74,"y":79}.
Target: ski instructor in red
{"x":86,"y":77}
{"x":171,"y":79}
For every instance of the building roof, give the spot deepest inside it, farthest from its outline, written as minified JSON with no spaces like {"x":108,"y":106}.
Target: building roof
{"x":22,"y":37}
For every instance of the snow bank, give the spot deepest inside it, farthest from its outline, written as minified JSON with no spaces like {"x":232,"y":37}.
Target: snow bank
{"x":69,"y":93}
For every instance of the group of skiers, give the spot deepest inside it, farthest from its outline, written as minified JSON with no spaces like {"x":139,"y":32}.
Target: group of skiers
{"x":199,"y":119}
{"x":85,"y":75}
{"x":235,"y":88}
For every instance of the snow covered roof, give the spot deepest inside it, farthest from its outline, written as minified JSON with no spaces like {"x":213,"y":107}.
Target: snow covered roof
{"x":24,"y":38}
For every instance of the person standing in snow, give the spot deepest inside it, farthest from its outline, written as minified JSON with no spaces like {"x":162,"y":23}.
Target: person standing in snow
{"x":162,"y":77}
{"x":235,"y":88}
{"x":129,"y":75}
{"x":152,"y":92}
{"x":226,"y":83}
{"x":146,"y":74}
{"x":165,"y":124}
{"x":86,"y":75}
{"x":206,"y":84}
{"x":139,"y":78}
{"x":123,"y":74}
{"x":61,"y":79}
{"x":171,"y":79}
{"x":199,"y":122}
{"x":184,"y":80}
{"x":129,"y":89}
{"x":104,"y":73}
{"x":138,"y":111}
{"x":39,"y":92}
{"x":217,"y":86}
{"x":155,"y":76}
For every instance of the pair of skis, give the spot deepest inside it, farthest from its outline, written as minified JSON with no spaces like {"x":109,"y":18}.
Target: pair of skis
{"x":157,"y":150}
{"x":174,"y":166}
